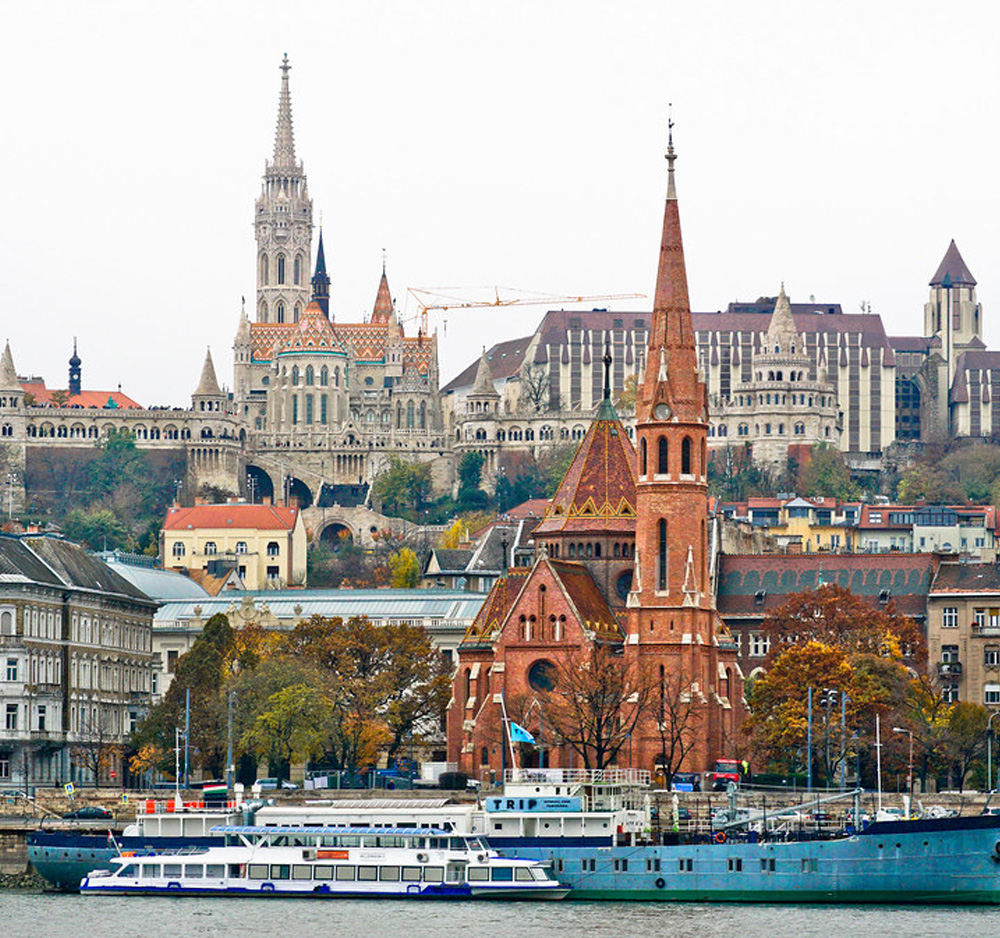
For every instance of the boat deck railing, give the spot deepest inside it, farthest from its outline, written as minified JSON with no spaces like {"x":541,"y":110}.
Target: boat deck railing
{"x":560,"y":776}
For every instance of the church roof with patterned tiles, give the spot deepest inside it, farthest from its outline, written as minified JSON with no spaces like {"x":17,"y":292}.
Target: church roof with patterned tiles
{"x":366,"y":339}
{"x":592,"y":610}
{"x":313,"y":331}
{"x":752,"y":586}
{"x":493,"y":613}
{"x":598,"y":490}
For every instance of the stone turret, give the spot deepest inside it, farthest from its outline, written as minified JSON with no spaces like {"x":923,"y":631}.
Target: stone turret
{"x":208,"y":396}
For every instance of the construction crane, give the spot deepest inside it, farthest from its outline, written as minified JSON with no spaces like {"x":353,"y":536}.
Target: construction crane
{"x":427,"y":299}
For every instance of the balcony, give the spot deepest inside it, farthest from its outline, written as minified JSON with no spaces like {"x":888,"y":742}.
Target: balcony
{"x":949,"y":669}
{"x":986,"y":629}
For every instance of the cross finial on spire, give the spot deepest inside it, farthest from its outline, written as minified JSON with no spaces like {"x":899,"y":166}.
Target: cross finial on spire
{"x":671,"y":156}
{"x":285,"y":66}
{"x":383,"y":260}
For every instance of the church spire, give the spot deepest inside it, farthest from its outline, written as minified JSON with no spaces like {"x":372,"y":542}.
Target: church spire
{"x":284,"y":138}
{"x":208,"y":385}
{"x":75,"y":375}
{"x":383,"y":299}
{"x":671,"y":387}
{"x":320,"y":280}
{"x":8,"y":373}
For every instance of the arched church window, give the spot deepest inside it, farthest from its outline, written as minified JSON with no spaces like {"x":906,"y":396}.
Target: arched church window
{"x":409,"y":415}
{"x":597,"y":550}
{"x":281,"y":269}
{"x":295,"y":374}
{"x":296,"y":313}
{"x":642,"y":456}
{"x":322,"y":408}
{"x":297,"y":274}
{"x":264,"y":271}
{"x":686,"y":456}
{"x":324,"y":376}
{"x":310,"y":375}
{"x":281,"y":312}
{"x":662,"y":465}
{"x":423,"y":415}
{"x":661,"y":558}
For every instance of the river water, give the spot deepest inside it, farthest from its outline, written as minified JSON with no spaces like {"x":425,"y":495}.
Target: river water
{"x":34,"y":915}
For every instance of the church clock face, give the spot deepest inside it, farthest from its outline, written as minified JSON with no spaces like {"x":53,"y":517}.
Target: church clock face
{"x":661,"y":412}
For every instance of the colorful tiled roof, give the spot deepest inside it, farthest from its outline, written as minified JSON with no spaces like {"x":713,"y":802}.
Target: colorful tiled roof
{"x":592,"y":608}
{"x":598,"y":490}
{"x":313,"y":332}
{"x":382,"y":312}
{"x":754,"y":585}
{"x":237,"y":517}
{"x":490,"y":619}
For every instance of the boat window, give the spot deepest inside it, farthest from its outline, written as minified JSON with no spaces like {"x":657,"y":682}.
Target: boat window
{"x":478,"y":874}
{"x":367,"y":873}
{"x":348,"y":840}
{"x":194,"y":871}
{"x":542,"y":873}
{"x":280,"y":871}
{"x":128,"y":870}
{"x":255,"y":871}
{"x":329,"y":841}
{"x":237,"y":870}
{"x":438,"y":843}
{"x":411,"y":874}
{"x":523,"y":874}
{"x":458,"y":843}
{"x":475,"y":844}
{"x":390,"y":842}
{"x":171,"y":869}
{"x":300,"y":871}
{"x":322,"y":872}
{"x":345,"y":873}
{"x":502,"y":874}
{"x":388,"y":874}
{"x":151,"y":870}
{"x":433,"y":874}
{"x":215,"y":870}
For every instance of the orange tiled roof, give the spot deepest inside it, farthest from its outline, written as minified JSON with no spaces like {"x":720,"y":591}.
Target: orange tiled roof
{"x":493,"y":613}
{"x":90,"y":399}
{"x":598,"y":490}
{"x":588,"y":600}
{"x":241,"y":516}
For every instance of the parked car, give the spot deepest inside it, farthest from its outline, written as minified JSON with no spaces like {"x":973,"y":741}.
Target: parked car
{"x":271,"y":784}
{"x":89,"y":812}
{"x":686,"y":781}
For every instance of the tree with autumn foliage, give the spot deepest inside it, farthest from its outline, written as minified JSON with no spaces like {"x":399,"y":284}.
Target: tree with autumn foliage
{"x":837,"y":617}
{"x":597,"y":700}
{"x":383,"y":683}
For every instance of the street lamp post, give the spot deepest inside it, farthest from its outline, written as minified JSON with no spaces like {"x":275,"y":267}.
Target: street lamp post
{"x":909,"y":776}
{"x":11,"y":482}
{"x":989,"y":749}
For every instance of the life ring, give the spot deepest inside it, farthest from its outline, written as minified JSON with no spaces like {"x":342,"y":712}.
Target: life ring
{"x":421,"y":857}
{"x":660,"y":883}
{"x":720,"y":837}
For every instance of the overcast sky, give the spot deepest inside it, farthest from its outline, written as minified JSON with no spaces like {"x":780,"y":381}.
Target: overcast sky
{"x":835,"y":146}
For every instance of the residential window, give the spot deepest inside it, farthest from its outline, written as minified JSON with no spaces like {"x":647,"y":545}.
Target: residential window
{"x":949,"y":653}
{"x":179,"y":549}
{"x":171,"y":661}
{"x":991,"y":694}
{"x":7,"y":622}
{"x":760,"y":645}
{"x":241,"y":547}
{"x":10,"y":721}
{"x":273,"y":549}
{"x":272,"y":573}
{"x":41,"y":716}
{"x":12,"y":669}
{"x":949,"y":693}
{"x":949,"y":617}
{"x":4,"y":765}
{"x":991,"y":656}
{"x":979,"y":618}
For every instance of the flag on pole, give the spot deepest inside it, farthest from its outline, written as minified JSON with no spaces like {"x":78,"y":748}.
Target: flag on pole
{"x":519,"y":734}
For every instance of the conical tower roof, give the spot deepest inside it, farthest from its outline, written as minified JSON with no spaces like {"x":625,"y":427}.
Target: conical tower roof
{"x":598,"y":490}
{"x":782,"y":336}
{"x":952,"y":271}
{"x":671,"y":377}
{"x":8,"y":373}
{"x":284,"y":138}
{"x":208,"y":385}
{"x":483,"y":385}
{"x":383,"y":300}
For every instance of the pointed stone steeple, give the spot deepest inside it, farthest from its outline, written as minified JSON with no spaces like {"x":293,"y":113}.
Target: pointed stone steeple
{"x":283,"y":224}
{"x":484,"y":378}
{"x":320,"y":280}
{"x":672,"y":387}
{"x":782,"y":336}
{"x":8,"y":373}
{"x":952,"y":271}
{"x":208,"y":384}
{"x":284,"y":137}
{"x":384,"y":310}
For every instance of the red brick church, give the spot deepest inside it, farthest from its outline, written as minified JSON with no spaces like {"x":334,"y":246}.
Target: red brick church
{"x":622,"y":563}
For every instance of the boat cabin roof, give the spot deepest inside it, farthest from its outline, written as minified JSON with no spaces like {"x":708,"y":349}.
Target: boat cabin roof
{"x":292,"y":829}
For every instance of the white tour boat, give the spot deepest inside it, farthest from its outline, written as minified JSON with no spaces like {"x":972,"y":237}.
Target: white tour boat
{"x":331,"y":862}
